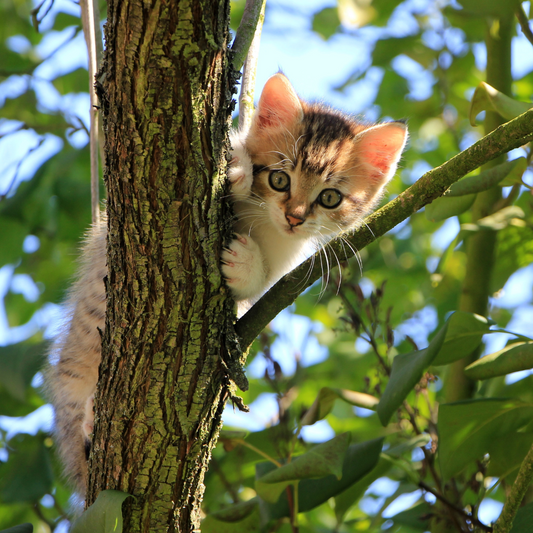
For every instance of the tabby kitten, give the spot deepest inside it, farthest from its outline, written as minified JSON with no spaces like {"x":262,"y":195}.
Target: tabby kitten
{"x":303,"y":174}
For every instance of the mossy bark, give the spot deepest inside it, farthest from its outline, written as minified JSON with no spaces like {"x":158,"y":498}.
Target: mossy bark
{"x":166,"y":103}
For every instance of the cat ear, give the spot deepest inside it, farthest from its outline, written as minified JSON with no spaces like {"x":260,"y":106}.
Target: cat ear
{"x":380,"y":149}
{"x":279,"y":105}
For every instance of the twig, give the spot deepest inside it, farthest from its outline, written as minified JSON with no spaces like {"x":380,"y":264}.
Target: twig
{"x":431,"y":185}
{"x":454,"y":507}
{"x":17,"y":169}
{"x":524,"y":23}
{"x":516,"y":495}
{"x":246,"y":31}
{"x":246,"y":96}
{"x":214,"y":464}
{"x":91,"y":28}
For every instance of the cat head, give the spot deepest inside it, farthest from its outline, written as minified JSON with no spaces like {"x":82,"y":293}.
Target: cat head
{"x":318,"y":171}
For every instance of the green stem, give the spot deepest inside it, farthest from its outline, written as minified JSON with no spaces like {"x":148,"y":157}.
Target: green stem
{"x":258,"y":451}
{"x":90,"y":17}
{"x":516,"y":495}
{"x":253,"y":13}
{"x":246,"y":96}
{"x":481,"y":247}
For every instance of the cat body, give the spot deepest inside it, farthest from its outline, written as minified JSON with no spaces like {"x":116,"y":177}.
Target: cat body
{"x":301,"y":175}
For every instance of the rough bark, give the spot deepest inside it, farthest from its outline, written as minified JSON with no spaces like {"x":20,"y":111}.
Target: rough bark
{"x":165,"y":98}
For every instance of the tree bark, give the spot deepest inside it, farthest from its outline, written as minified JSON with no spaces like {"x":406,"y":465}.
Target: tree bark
{"x":166,"y":101}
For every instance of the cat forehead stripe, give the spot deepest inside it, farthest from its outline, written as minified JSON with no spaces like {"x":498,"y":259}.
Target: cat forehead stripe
{"x":325,"y":130}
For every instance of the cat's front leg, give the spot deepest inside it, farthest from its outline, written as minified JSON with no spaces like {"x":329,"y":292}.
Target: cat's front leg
{"x":87,"y":425}
{"x":240,"y":170}
{"x":244,"y":268}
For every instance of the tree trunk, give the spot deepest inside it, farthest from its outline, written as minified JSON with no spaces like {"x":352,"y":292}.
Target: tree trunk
{"x":166,"y":104}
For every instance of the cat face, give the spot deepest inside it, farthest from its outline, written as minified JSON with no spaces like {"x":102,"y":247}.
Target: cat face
{"x":317,"y":171}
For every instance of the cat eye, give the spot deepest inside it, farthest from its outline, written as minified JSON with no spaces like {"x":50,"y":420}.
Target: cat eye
{"x":329,"y":198}
{"x":279,"y":181}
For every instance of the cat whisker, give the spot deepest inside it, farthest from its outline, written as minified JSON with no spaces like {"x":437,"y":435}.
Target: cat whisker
{"x":369,"y":229}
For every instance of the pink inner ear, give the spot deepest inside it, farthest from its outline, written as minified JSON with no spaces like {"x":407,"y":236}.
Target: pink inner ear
{"x":279,"y":105}
{"x":381,"y":147}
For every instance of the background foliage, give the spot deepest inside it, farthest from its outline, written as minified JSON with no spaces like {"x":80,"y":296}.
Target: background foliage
{"x":382,"y":339}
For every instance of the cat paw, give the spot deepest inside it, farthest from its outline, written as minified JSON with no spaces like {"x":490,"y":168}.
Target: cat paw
{"x":243,"y":268}
{"x":87,"y":425}
{"x":240,"y":170}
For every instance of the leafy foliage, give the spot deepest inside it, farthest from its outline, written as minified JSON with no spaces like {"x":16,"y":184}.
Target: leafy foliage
{"x":378,"y":390}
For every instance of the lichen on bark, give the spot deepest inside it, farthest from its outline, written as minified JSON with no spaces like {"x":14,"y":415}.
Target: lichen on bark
{"x":166,"y":89}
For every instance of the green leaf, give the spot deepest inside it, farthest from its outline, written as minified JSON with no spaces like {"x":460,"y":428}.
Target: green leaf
{"x":27,"y":474}
{"x":495,"y":8}
{"x":64,"y":20}
{"x":406,"y":372}
{"x":360,"y":459}
{"x":497,"y":221}
{"x":523,"y":519}
{"x":322,"y":460}
{"x":354,"y":493}
{"x":515,"y":174}
{"x":487,"y":179}
{"x":18,"y":364}
{"x":351,"y":495}
{"x":13,"y":235}
{"x":464,"y":335}
{"x":514,"y":250}
{"x":15,"y":63}
{"x":76,"y":81}
{"x":507,"y":453}
{"x":10,"y":406}
{"x":512,"y":358}
{"x":323,"y":403}
{"x":326,"y":22}
{"x":237,"y":10}
{"x":448,"y":206}
{"x":240,"y":518}
{"x":416,"y":518}
{"x":487,"y":98}
{"x":386,"y":50}
{"x":467,"y":429}
{"x":104,"y":515}
{"x":23,"y":528}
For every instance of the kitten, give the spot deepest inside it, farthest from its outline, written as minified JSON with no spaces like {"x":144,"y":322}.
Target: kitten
{"x":302,"y":174}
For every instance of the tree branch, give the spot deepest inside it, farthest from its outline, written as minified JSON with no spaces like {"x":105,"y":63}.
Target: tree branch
{"x":524,"y":23}
{"x":431,"y":185}
{"x":516,"y":495}
{"x":246,"y":31}
{"x":246,"y":96}
{"x":90,"y":19}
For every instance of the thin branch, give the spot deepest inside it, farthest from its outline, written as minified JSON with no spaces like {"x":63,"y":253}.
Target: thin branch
{"x":246,"y":97}
{"x":431,"y":185}
{"x":454,"y":507}
{"x":246,"y":31}
{"x":14,"y":179}
{"x":524,"y":23}
{"x":516,"y":495}
{"x":90,"y":18}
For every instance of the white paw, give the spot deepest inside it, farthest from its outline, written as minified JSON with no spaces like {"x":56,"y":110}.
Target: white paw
{"x":88,"y":420}
{"x":240,"y":170}
{"x":243,"y":268}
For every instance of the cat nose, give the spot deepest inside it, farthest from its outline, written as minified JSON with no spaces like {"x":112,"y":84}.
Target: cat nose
{"x":294,"y":221}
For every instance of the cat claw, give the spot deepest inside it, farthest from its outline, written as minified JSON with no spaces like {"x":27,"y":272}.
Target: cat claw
{"x":241,"y":239}
{"x":242,"y":267}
